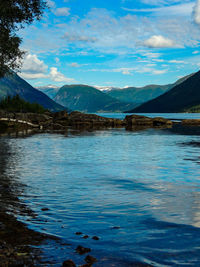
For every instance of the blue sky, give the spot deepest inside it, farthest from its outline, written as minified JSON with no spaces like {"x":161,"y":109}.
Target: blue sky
{"x":113,"y":42}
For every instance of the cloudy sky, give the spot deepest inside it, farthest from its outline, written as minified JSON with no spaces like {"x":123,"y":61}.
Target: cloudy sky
{"x":113,"y":42}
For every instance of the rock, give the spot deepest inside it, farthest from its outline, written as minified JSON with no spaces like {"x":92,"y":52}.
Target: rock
{"x":85,"y":236}
{"x":161,"y":121}
{"x":77,"y":118}
{"x":57,"y":126}
{"x":61,"y":115}
{"x":68,"y":263}
{"x":81,"y":250}
{"x":95,"y":237}
{"x":34,"y":118}
{"x":78,"y":233}
{"x":116,"y":227}
{"x":89,"y":259}
{"x":195,"y":122}
{"x":137,"y":120}
{"x":44,"y":209}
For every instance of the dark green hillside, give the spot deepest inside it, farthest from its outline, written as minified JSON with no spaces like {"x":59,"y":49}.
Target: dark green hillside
{"x":88,"y":99}
{"x":12,"y":85}
{"x":17,"y":104}
{"x":184,"y":97}
{"x":139,"y":95}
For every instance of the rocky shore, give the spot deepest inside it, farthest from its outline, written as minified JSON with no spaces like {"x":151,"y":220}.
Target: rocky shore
{"x":62,"y":121}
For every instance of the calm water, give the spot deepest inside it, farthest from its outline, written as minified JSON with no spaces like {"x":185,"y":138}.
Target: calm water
{"x":138,"y":191}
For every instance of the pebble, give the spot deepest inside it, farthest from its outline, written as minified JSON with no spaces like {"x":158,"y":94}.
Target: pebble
{"x":81,"y":250}
{"x":78,"y":233}
{"x":45,"y":209}
{"x":68,"y":263}
{"x":90,"y":259}
{"x":95,"y":237}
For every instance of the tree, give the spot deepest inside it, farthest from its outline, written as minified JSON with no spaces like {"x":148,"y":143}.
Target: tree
{"x":14,"y":15}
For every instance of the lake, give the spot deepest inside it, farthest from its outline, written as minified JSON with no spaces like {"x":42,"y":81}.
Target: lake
{"x":139,"y":192}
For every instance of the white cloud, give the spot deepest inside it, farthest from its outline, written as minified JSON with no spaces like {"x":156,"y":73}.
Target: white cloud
{"x":78,"y":38}
{"x":158,"y":41}
{"x":177,"y":61}
{"x":57,"y":76}
{"x":75,"y":65}
{"x":125,"y":71}
{"x":196,"y":12}
{"x":163,"y":2}
{"x":173,"y":10}
{"x":159,"y":72}
{"x":62,"y":11}
{"x":32,"y":76}
{"x":33,"y":67}
{"x":51,"y":3}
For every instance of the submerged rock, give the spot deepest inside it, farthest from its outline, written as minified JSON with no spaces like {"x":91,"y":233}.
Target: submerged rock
{"x":90,"y":259}
{"x":81,"y":250}
{"x":68,"y":263}
{"x":95,"y":237}
{"x":78,"y":233}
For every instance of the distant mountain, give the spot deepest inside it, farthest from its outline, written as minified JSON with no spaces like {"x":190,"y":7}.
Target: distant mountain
{"x":12,"y":85}
{"x":50,"y":90}
{"x":139,"y":95}
{"x":106,"y":88}
{"x":184,"y":97}
{"x":88,"y":99}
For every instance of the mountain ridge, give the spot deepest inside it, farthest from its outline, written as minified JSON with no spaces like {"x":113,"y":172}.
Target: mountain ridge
{"x":181,"y":98}
{"x":11,"y":84}
{"x":86,"y":98}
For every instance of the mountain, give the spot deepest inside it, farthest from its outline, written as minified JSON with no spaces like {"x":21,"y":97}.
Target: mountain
{"x":50,"y":90}
{"x":184,"y":97}
{"x":140,"y":95}
{"x":88,"y":99}
{"x":12,"y":85}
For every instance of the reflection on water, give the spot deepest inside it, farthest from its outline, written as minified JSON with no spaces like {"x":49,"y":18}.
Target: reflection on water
{"x":137,"y":191}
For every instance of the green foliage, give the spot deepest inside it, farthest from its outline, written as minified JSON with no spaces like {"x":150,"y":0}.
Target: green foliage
{"x":17,"y":104}
{"x":14,"y":14}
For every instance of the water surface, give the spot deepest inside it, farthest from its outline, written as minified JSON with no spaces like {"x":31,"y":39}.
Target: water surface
{"x":138,"y":191}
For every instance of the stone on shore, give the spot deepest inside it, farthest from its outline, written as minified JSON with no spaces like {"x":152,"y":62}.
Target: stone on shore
{"x":137,"y":120}
{"x":77,"y":118}
{"x":192,"y":122}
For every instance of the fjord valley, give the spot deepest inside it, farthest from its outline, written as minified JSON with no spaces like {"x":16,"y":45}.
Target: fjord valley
{"x":140,"y":95}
